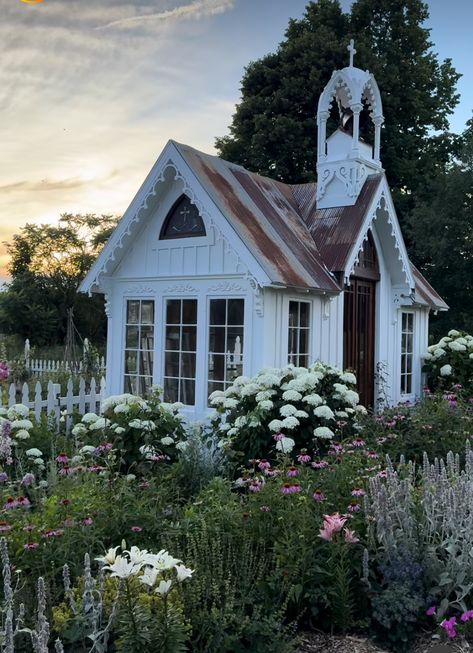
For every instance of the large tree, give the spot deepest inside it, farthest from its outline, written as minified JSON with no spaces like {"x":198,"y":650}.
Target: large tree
{"x":441,"y":229}
{"x":273,"y":130}
{"x":47,"y":264}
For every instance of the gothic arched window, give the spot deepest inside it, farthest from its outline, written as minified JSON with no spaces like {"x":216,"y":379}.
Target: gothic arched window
{"x":182,"y":221}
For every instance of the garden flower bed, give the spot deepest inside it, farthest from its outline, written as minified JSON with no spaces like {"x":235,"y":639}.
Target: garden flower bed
{"x":138,"y":533}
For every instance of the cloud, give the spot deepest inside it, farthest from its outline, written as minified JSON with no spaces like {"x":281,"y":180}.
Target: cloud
{"x":43,"y":185}
{"x":196,"y":9}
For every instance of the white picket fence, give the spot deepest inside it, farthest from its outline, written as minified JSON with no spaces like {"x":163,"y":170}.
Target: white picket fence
{"x":40,"y":366}
{"x":89,"y":399}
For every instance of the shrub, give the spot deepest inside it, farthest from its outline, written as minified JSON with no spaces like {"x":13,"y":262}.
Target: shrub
{"x":300,"y":406}
{"x":450,"y":362}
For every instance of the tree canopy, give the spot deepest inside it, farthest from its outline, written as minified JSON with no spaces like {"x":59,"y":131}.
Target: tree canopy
{"x":273,"y":129}
{"x":47,"y":264}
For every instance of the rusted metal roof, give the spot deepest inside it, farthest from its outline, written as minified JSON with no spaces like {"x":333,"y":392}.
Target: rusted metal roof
{"x":425,"y":294}
{"x":336,"y":230}
{"x":265,"y":214}
{"x":297,"y":244}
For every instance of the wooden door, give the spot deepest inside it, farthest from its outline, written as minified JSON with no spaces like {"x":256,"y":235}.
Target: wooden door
{"x":359,"y":335}
{"x":359,"y":322}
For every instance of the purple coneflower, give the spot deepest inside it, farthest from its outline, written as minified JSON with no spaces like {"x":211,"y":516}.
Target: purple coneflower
{"x":319,"y":496}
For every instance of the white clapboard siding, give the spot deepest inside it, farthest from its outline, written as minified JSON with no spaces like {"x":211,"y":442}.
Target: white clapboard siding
{"x":88,"y":400}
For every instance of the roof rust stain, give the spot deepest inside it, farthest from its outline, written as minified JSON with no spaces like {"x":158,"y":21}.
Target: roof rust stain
{"x":254,"y":229}
{"x":286,"y":221}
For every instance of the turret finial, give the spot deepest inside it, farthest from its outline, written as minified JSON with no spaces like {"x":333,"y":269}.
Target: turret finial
{"x":352,"y":51}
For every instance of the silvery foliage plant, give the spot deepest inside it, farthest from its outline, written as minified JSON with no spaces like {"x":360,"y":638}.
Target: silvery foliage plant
{"x":427,"y":512}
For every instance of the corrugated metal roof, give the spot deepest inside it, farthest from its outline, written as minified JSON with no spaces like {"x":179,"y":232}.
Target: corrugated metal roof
{"x":336,"y":230}
{"x":425,"y":294}
{"x":266,"y":216}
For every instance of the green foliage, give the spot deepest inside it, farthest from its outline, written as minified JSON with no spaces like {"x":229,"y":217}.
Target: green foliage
{"x":273,"y":128}
{"x":47,"y":264}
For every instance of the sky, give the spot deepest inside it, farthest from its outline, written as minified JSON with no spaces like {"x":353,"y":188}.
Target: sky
{"x":91,"y":90}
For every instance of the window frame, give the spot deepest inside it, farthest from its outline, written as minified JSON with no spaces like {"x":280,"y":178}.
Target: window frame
{"x":164,"y":350}
{"x":226,"y":383}
{"x":407,"y":392}
{"x":202,"y":233}
{"x":138,"y":349}
{"x":310,"y":353}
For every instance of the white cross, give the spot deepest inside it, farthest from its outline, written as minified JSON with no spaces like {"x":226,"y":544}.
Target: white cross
{"x":352,"y":51}
{"x":185,"y":212}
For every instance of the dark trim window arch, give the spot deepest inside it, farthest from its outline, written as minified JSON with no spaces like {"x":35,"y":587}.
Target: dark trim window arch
{"x":182,"y":221}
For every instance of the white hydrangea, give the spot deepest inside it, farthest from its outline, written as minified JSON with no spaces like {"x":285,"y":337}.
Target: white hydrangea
{"x":275,"y":426}
{"x":122,"y":409}
{"x":323,"y":432}
{"x":427,"y":356}
{"x":264,"y":395}
{"x":34,"y":453}
{"x":22,"y":434}
{"x":361,"y":410}
{"x":216,"y":394}
{"x":291,"y":395}
{"x":119,"y":430}
{"x":290,"y":422}
{"x":79,"y":429}
{"x":287,"y":410}
{"x":89,"y":418}
{"x":268,"y":380}
{"x":340,"y":388}
{"x":225,"y":427}
{"x":446,"y":370}
{"x":18,"y":411}
{"x":462,"y":341}
{"x":126,"y":399}
{"x":100,"y":423}
{"x":301,"y":414}
{"x":22,"y":424}
{"x":453,"y":333}
{"x":167,"y":441}
{"x":266,"y":404}
{"x":348,"y":377}
{"x":182,"y":446}
{"x":351,"y":397}
{"x":86,"y":449}
{"x":231,"y":432}
{"x":325,"y":412}
{"x":439,"y":352}
{"x":230,"y":403}
{"x":313,"y":400}
{"x":285,"y":445}
{"x":456,"y":346}
{"x":240,"y":421}
{"x":341,"y":413}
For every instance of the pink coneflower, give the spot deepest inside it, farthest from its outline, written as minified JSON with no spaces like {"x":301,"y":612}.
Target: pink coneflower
{"x":358,"y":492}
{"x":62,"y":458}
{"x":450,"y":626}
{"x":278,"y":436}
{"x":265,"y":508}
{"x":319,"y":464}
{"x":3,"y":477}
{"x":350,"y":537}
{"x":88,"y":521}
{"x":381,"y":440}
{"x":157,"y":458}
{"x":431,"y":611}
{"x":372,"y":455}
{"x":296,"y":488}
{"x":10,"y":503}
{"x":24,"y":501}
{"x":68,"y":522}
{"x":467,"y":616}
{"x":52,"y":533}
{"x":272,"y":472}
{"x":95,"y":469}
{"x":358,"y":442}
{"x":136,"y":529}
{"x":30,"y":546}
{"x":303,"y":457}
{"x":383,"y":474}
{"x":29,"y":528}
{"x":144,"y":485}
{"x":336,"y":449}
{"x":255,"y":486}
{"x":264,"y":464}
{"x":354,"y":507}
{"x":66,"y":471}
{"x":4,"y":527}
{"x":286,"y":488}
{"x":319,"y":496}
{"x":293,"y":471}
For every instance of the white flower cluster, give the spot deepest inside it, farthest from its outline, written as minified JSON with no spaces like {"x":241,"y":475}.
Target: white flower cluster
{"x":284,"y":399}
{"x":151,"y":569}
{"x":451,"y":352}
{"x":20,"y":424}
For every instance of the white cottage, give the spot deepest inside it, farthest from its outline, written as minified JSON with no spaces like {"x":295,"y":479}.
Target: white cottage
{"x":215,"y":271}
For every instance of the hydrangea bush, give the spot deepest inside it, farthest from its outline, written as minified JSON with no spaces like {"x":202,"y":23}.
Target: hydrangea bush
{"x":292,"y":405}
{"x":139,"y":429}
{"x":450,"y":362}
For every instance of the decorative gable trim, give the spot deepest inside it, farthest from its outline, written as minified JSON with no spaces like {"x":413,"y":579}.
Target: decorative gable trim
{"x":383,"y":206}
{"x":137,"y":211}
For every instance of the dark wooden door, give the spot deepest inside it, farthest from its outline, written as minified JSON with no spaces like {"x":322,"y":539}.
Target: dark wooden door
{"x":359,"y":335}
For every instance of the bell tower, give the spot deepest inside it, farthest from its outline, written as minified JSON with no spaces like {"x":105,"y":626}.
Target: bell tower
{"x":344,"y":160}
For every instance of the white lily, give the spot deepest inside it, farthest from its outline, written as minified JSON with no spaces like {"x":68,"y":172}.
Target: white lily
{"x":163,"y":587}
{"x":123,"y":568}
{"x":149,"y":576}
{"x":183,"y":572}
{"x":110,"y":557}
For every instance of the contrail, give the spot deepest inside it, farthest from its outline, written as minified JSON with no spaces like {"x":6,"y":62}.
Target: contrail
{"x":196,"y":9}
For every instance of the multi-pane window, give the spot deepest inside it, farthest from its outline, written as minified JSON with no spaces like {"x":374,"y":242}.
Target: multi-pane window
{"x":139,"y":345}
{"x":226,"y":325}
{"x":407,"y":351}
{"x":180,"y":351}
{"x":298,"y":348}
